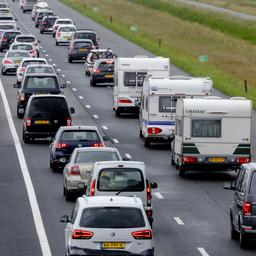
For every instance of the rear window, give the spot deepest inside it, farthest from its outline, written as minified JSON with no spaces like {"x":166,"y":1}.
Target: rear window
{"x":85,"y":35}
{"x":40,"y":70}
{"x":106,"y":65}
{"x":22,"y":47}
{"x":115,"y":179}
{"x":17,"y":54}
{"x":64,"y":22}
{"x":7,"y":26}
{"x":41,"y":83}
{"x":95,"y":156}
{"x":80,"y":136}
{"x":112,"y":217}
{"x":206,"y":128}
{"x":130,"y":78}
{"x":167,"y":104}
{"x":79,"y":45}
{"x":253,"y":184}
{"x":67,"y":29}
{"x":26,"y":39}
{"x":29,"y":62}
{"x":6,"y":18}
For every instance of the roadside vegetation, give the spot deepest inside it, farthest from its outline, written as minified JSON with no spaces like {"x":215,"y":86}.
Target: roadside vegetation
{"x":231,"y":60}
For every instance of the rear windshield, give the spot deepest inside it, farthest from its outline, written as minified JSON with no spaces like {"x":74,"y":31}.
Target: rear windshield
{"x":64,"y":22}
{"x":106,"y":65}
{"x":7,"y":26}
{"x":2,"y":5}
{"x":40,"y":70}
{"x":6,"y":18}
{"x":130,"y":78}
{"x":11,"y":35}
{"x":95,"y":156}
{"x":41,"y":83}
{"x":115,"y":179}
{"x":22,"y":47}
{"x":49,"y":107}
{"x":67,"y":29}
{"x":85,"y":35}
{"x":25,"y":39}
{"x":253,"y":184}
{"x":12,"y":54}
{"x":79,"y":45}
{"x":29,"y":62}
{"x":112,"y":217}
{"x":80,"y":136}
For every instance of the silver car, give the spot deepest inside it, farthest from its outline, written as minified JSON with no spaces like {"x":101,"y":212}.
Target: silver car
{"x":12,"y":60}
{"x":80,"y":164}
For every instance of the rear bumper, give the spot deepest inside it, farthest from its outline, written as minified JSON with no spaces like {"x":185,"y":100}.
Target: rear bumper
{"x":131,"y":109}
{"x":40,"y":134}
{"x":102,"y":79}
{"x":10,"y":68}
{"x":210,"y":166}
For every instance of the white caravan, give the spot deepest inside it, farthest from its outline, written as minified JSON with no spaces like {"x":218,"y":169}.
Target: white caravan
{"x":212,"y":133}
{"x":158,"y":104}
{"x":129,"y":74}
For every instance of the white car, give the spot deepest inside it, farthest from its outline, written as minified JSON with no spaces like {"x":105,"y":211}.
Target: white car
{"x":26,"y":47}
{"x":37,"y":7}
{"x":21,"y":3}
{"x":64,"y":33}
{"x":108,"y":225}
{"x":59,"y":22}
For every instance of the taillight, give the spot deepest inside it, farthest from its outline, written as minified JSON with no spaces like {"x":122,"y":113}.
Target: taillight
{"x":154,"y":130}
{"x":189,"y":159}
{"x":8,"y":61}
{"x":123,"y":100}
{"x":4,"y":39}
{"x":92,"y":192}
{"x":22,"y":69}
{"x":96,"y":70}
{"x":33,"y":52}
{"x":75,"y":170}
{"x":58,"y":34}
{"x":243,"y":160}
{"x":149,"y":194}
{"x":61,"y":145}
{"x":247,"y":209}
{"x":97,"y":145}
{"x":142,"y":234}
{"x":81,"y":234}
{"x":22,"y":97}
{"x":69,"y":121}
{"x":93,"y":47}
{"x":28,"y":121}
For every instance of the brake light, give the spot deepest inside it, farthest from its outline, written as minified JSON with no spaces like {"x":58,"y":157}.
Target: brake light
{"x":93,"y":47}
{"x":247,"y":209}
{"x":97,"y":145}
{"x":243,"y":160}
{"x":61,"y":145}
{"x":189,"y":159}
{"x":154,"y":130}
{"x":82,"y":234}
{"x":75,"y":170}
{"x":92,"y":192}
{"x":4,"y":39}
{"x":8,"y":61}
{"x":28,"y":121}
{"x":69,"y":121}
{"x":33,"y":52}
{"x":96,"y":70}
{"x":22,"y":97}
{"x":58,"y":34}
{"x":22,"y":69}
{"x":123,"y":100}
{"x":142,"y":234}
{"x":35,"y":43}
{"x":149,"y":195}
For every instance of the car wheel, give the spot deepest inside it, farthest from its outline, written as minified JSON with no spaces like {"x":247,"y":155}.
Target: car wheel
{"x":3,"y":72}
{"x":118,"y":112}
{"x":69,"y":196}
{"x":55,"y":168}
{"x":147,"y":142}
{"x":172,"y":161}
{"x":64,"y":191}
{"x":182,"y":171}
{"x":19,"y":115}
{"x":53,"y":34}
{"x":233,"y":233}
{"x":23,"y":11}
{"x":93,"y":83}
{"x":243,"y":241}
{"x":87,"y":73}
{"x":57,"y":43}
{"x":26,"y":138}
{"x":41,"y":31}
{"x":140,"y":134}
{"x":69,"y":60}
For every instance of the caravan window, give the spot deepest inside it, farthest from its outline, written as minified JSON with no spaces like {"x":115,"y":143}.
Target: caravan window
{"x":167,"y":104}
{"x":206,"y":128}
{"x":130,"y":78}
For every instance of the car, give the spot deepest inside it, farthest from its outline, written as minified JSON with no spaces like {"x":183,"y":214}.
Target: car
{"x":96,"y":54}
{"x":59,"y":22}
{"x":86,"y":34}
{"x":243,"y":207}
{"x":40,"y":15}
{"x":7,"y":38}
{"x":79,"y":49}
{"x":108,"y":225}
{"x":26,"y":47}
{"x":4,"y":5}
{"x":47,"y":24}
{"x":12,"y":60}
{"x":102,"y":72}
{"x":64,"y":33}
{"x":44,"y":115}
{"x":37,"y":7}
{"x":8,"y":25}
{"x":28,"y":38}
{"x":121,"y":177}
{"x":25,"y":62}
{"x":6,"y":12}
{"x":28,"y":5}
{"x":21,"y":3}
{"x":69,"y":138}
{"x":36,"y":84}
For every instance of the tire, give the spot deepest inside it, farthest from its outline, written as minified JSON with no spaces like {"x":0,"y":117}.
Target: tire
{"x":70,"y":60}
{"x":140,"y":134}
{"x":41,"y":31}
{"x":57,"y":43}
{"x":118,"y":112}
{"x":23,"y":11}
{"x":53,"y":34}
{"x":87,"y":73}
{"x":234,"y":235}
{"x":3,"y":72}
{"x":54,"y":168}
{"x":147,"y":142}
{"x":69,"y":196}
{"x":93,"y":83}
{"x":19,"y":115}
{"x":243,"y":241}
{"x":172,"y":161}
{"x":26,"y":138}
{"x":64,"y":191}
{"x":182,"y":172}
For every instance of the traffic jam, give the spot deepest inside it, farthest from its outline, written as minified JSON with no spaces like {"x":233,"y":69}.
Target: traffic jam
{"x":112,"y":195}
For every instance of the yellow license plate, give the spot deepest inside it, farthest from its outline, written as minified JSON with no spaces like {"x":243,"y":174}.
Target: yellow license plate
{"x":67,"y":37}
{"x":111,"y":245}
{"x":17,"y":61}
{"x":216,"y":159}
{"x":41,"y":122}
{"x":109,"y":76}
{"x":82,"y":49}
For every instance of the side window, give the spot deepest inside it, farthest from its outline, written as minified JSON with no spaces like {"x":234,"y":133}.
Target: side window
{"x":244,"y":182}
{"x":146,"y":103}
{"x":178,"y":129}
{"x":253,"y":184}
{"x":239,"y":179}
{"x":74,"y":213}
{"x":142,"y":101}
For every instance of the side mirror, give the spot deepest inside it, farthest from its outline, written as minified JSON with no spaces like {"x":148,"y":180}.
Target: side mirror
{"x":18,"y":28}
{"x":105,"y":138}
{"x":229,"y":186}
{"x":63,"y":86}
{"x":39,"y":41}
{"x":65,"y":219}
{"x":72,"y":110}
{"x":16,"y":86}
{"x":126,"y":159}
{"x":153,"y":185}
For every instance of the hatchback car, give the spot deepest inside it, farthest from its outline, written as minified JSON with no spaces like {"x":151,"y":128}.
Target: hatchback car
{"x":40,"y":15}
{"x":28,"y":5}
{"x":26,"y":47}
{"x":12,"y":60}
{"x":69,"y":138}
{"x":59,"y":22}
{"x":8,"y":26}
{"x":44,"y":115}
{"x":39,"y":69}
{"x":47,"y":24}
{"x":64,"y":33}
{"x":38,"y":7}
{"x":78,"y":169}
{"x":86,"y":34}
{"x":103,"y":72}
{"x":243,"y":208}
{"x":108,"y":225}
{"x":79,"y":49}
{"x":7,"y":38}
{"x":28,"y":39}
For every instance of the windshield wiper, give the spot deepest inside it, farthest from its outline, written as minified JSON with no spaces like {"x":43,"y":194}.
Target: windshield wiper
{"x":122,"y":190}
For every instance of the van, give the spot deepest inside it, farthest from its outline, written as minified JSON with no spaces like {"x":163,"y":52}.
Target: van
{"x":129,"y":74}
{"x":28,"y":5}
{"x":212,"y":133}
{"x":44,"y":115}
{"x":158,"y":104}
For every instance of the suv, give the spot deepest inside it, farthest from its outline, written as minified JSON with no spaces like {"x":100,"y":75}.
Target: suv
{"x":47,"y":24}
{"x":243,"y":208}
{"x":86,"y":34}
{"x":108,"y":225}
{"x":7,"y":38}
{"x":44,"y":115}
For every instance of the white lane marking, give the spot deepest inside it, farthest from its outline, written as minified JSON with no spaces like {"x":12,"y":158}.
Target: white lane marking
{"x":158,"y":195}
{"x":41,"y":47}
{"x":178,"y":220}
{"x":74,"y":89}
{"x":59,"y":70}
{"x":128,"y":155}
{"x":116,"y":141}
{"x":63,"y":76}
{"x":44,"y":51}
{"x":88,"y":106}
{"x":80,"y":97}
{"x":50,"y":59}
{"x":54,"y":65}
{"x":46,"y":55}
{"x":95,"y":116}
{"x":202,"y":251}
{"x":44,"y":244}
{"x":68,"y":82}
{"x":104,"y":127}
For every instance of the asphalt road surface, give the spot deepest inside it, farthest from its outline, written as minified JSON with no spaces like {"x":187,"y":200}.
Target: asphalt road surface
{"x":191,"y":214}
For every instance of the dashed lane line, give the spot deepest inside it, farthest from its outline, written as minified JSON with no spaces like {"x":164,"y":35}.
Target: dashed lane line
{"x":104,"y":127}
{"x":80,"y":97}
{"x":178,"y":220}
{"x":74,"y":89}
{"x":116,"y":141}
{"x":158,"y":195}
{"x":202,"y":251}
{"x":128,"y":155}
{"x":95,"y":116}
{"x":88,"y":106}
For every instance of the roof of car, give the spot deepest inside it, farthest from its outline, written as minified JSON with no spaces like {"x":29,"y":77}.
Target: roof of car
{"x":82,"y":40}
{"x":64,"y":19}
{"x":47,"y":96}
{"x":25,"y":35}
{"x":79,"y":127}
{"x":35,"y":59}
{"x":117,"y":164}
{"x":85,"y":29}
{"x":86,"y":149}
{"x":40,"y":75}
{"x":66,"y":25}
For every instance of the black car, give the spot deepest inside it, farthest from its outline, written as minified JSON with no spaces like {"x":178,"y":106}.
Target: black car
{"x":36,"y":84}
{"x":102,"y":72}
{"x":47,"y":24}
{"x":44,"y":115}
{"x":86,"y":34}
{"x":243,"y":208}
{"x":79,"y":49}
{"x":40,"y":16}
{"x":7,"y":38}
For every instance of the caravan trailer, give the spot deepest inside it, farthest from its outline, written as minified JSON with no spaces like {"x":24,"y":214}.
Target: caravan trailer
{"x":158,"y":104}
{"x":129,"y":74}
{"x":212,"y":133}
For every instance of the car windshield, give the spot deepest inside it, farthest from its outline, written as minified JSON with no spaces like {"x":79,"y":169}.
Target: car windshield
{"x":95,"y":156}
{"x":66,"y":29}
{"x":78,"y":45}
{"x":15,"y":54}
{"x":25,"y":47}
{"x":26,"y":39}
{"x":81,"y":135}
{"x":29,"y":62}
{"x":41,"y":83}
{"x":64,"y":22}
{"x":40,"y":70}
{"x":112,"y":217}
{"x":116,"y":179}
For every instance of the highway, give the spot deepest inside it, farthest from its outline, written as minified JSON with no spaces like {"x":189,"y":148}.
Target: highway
{"x":191,"y":214}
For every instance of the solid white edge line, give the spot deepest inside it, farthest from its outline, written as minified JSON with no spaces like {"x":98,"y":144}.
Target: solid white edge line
{"x":44,"y":244}
{"x":104,"y":127}
{"x":116,"y":141}
{"x":128,"y":155}
{"x":178,"y":220}
{"x":158,"y":195}
{"x":202,"y":251}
